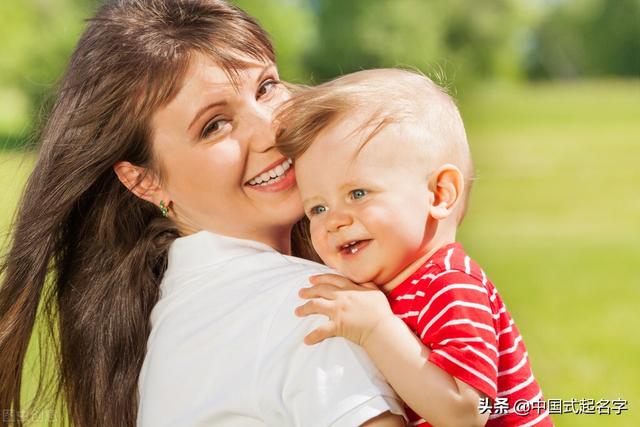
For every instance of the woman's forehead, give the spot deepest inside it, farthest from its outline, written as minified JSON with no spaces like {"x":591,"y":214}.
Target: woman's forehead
{"x":206,"y":82}
{"x":207,"y":70}
{"x":206,"y":77}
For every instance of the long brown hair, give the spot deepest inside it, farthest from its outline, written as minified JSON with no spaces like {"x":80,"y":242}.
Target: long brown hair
{"x":84,"y":247}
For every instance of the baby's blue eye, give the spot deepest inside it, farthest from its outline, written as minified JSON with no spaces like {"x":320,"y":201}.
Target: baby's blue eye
{"x":358,"y":194}
{"x":318,"y":210}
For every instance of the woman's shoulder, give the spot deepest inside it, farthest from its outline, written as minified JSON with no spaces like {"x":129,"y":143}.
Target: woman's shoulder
{"x":256,"y":270}
{"x":305,"y":266}
{"x":234,"y":279}
{"x":205,"y":251}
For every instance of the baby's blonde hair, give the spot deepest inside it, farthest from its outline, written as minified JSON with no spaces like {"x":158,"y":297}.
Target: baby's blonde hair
{"x":389,"y":96}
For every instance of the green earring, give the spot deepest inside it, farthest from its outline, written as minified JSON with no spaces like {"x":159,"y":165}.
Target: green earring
{"x":163,"y":209}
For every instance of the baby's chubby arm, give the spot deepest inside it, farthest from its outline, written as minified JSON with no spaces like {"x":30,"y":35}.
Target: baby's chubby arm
{"x":361,"y":313}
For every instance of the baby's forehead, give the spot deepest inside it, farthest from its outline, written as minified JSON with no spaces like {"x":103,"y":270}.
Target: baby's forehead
{"x":368,"y":137}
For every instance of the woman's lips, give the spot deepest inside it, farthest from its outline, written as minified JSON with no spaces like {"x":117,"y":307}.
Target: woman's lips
{"x":271,"y":166}
{"x":286,"y":181}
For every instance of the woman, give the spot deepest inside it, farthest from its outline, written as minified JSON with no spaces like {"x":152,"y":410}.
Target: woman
{"x":158,"y":188}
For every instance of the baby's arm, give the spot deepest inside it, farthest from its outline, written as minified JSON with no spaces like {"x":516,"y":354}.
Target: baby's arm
{"x":362,"y":314}
{"x":403,"y":360}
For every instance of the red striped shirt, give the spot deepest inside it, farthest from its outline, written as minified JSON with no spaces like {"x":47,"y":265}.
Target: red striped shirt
{"x":451,"y":305}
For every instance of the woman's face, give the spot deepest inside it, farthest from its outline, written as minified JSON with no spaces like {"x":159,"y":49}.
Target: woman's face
{"x":215,"y":145}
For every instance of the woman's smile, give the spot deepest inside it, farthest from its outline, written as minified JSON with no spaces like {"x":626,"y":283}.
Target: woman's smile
{"x":278,"y":176}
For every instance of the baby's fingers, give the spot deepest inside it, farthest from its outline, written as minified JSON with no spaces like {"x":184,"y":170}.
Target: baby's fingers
{"x":318,"y":291}
{"x":370,"y":285}
{"x":314,"y":306}
{"x":319,"y":334}
{"x":331,"y":279}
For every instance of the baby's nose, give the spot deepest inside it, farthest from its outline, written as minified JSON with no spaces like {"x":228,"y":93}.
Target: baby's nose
{"x":337,"y":219}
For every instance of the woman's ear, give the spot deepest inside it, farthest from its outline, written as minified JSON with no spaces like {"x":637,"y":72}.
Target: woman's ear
{"x":141,"y":181}
{"x":447,"y":186}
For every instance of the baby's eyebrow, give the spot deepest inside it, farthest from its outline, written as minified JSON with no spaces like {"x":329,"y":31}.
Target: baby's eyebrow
{"x":352,"y":184}
{"x":309,"y":200}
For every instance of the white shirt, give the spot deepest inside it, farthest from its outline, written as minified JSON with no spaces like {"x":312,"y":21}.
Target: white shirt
{"x":226,"y":349}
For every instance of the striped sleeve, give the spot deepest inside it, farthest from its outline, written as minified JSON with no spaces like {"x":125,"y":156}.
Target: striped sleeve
{"x":456,"y":321}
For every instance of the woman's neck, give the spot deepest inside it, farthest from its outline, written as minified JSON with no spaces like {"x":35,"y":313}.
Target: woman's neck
{"x":278,"y":238}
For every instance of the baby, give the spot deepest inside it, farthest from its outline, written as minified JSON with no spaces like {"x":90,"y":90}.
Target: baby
{"x":384,"y":171}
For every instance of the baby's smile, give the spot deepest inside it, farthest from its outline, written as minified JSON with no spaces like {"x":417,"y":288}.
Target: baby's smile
{"x":353,"y":247}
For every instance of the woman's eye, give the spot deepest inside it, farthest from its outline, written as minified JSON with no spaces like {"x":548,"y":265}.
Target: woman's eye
{"x":358,"y":193}
{"x":317,"y":210}
{"x":214,"y":126}
{"x":267,"y":86}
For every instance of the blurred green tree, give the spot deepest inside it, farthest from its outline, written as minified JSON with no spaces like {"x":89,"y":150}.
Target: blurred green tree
{"x":455,"y":41}
{"x":292,"y":27}
{"x":587,"y":39}
{"x":36,"y":38}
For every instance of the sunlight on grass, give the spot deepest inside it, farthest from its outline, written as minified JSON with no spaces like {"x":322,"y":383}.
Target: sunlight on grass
{"x":555,"y":220}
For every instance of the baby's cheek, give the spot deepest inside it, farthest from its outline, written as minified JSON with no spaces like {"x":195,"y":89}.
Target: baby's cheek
{"x":384,"y":222}
{"x":319,"y":242}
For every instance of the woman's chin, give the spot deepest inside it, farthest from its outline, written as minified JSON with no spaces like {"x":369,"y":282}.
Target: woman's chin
{"x":291,"y":214}
{"x":281,"y":208}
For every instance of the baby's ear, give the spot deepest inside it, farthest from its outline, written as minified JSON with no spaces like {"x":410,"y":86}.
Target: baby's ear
{"x":447,"y":186}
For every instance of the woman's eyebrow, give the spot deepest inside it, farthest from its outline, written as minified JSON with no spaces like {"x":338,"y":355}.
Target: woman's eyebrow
{"x":265,"y":70}
{"x":204,"y":110}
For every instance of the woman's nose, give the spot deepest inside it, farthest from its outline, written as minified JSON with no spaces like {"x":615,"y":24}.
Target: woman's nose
{"x":337,"y":219}
{"x":263,"y":128}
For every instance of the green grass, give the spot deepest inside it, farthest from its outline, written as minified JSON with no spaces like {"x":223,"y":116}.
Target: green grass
{"x":14,"y":170}
{"x":555,"y":221}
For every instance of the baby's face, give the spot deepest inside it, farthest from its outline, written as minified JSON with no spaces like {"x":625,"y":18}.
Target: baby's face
{"x":369,"y":208}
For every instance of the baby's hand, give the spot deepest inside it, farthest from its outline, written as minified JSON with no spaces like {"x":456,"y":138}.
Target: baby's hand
{"x":353,"y":310}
